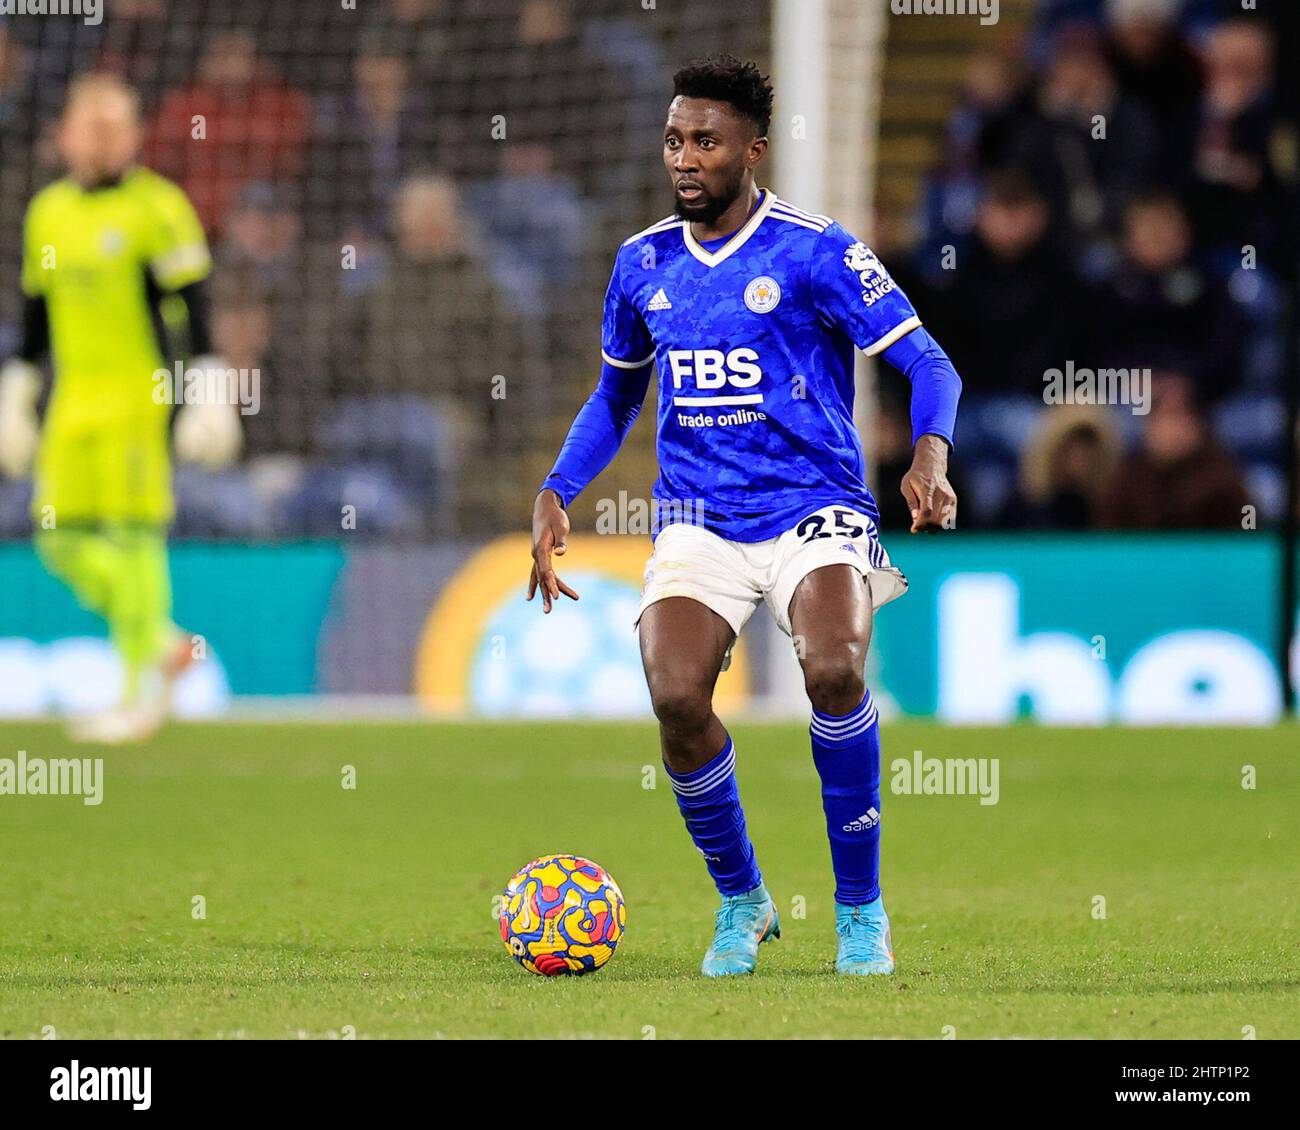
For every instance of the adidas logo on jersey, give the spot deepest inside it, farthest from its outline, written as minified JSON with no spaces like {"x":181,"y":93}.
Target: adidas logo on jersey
{"x":660,"y":301}
{"x":865,"y":822}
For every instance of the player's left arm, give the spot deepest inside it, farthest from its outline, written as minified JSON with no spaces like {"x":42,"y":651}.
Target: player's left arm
{"x":207,"y":432}
{"x":936,"y":388}
{"x":853,"y":291}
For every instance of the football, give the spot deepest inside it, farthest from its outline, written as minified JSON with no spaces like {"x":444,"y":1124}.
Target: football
{"x":562,"y":915}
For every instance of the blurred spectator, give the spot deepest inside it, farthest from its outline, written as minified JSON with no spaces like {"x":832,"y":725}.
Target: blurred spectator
{"x":430,"y":34}
{"x":1285,"y":20}
{"x":17,"y":95}
{"x":1161,"y":309}
{"x":424,"y":28}
{"x":20,"y":176}
{"x":537,"y":82}
{"x":241,"y":335}
{"x":1010,"y":309}
{"x":59,"y":48}
{"x":437,"y":323}
{"x":366,"y":139}
{"x":1154,"y":64}
{"x":535,"y":227}
{"x":262,"y":237}
{"x":264,"y":249}
{"x":134,"y":38}
{"x":1086,"y":142}
{"x":1052,"y":15}
{"x":238,"y":122}
{"x":633,"y":55}
{"x":1181,"y":478}
{"x":19,"y":127}
{"x":298,"y":282}
{"x":1235,"y":193}
{"x":951,"y":194}
{"x":1065,"y":472}
{"x":437,"y":340}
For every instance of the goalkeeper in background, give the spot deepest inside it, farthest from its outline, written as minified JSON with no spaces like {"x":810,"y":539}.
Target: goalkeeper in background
{"x":103,"y":249}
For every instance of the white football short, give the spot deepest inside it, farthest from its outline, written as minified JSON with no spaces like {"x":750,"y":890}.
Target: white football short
{"x":732,"y":577}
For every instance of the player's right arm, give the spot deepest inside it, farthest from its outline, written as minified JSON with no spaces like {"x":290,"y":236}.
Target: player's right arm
{"x":20,"y":379}
{"x":595,"y":435}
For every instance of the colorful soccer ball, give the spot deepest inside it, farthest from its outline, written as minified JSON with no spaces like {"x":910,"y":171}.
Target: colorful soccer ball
{"x":562,"y":914}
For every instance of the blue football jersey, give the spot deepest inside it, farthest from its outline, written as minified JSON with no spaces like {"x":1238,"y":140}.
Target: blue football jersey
{"x":753,"y":340}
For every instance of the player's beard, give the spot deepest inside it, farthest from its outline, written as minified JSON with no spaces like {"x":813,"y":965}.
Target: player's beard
{"x":708,"y":208}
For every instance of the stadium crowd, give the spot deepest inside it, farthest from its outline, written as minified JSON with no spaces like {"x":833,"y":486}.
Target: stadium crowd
{"x":412,"y":204}
{"x":408,"y":219}
{"x":1111,"y":196}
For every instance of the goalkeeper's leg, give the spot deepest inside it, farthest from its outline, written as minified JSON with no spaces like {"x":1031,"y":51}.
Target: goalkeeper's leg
{"x":119,"y":572}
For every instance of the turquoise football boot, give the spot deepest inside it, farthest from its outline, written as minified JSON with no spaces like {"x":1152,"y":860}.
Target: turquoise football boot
{"x":742,"y":924}
{"x":865,"y":944}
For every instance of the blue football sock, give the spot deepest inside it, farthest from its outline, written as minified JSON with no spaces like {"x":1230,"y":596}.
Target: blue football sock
{"x":846,"y":751}
{"x":710,"y":804}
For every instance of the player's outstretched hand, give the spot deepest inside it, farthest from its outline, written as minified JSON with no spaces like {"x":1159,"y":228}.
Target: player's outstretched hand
{"x":929,"y":495}
{"x":550,"y":536}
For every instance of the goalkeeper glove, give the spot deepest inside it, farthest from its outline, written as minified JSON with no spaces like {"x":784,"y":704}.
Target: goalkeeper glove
{"x":20,"y":387}
{"x":208,"y":432}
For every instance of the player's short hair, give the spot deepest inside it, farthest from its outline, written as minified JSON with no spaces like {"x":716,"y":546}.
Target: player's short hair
{"x":97,"y":84}
{"x":724,"y":78}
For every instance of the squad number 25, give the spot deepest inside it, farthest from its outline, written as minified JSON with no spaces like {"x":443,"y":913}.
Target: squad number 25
{"x":814,"y":526}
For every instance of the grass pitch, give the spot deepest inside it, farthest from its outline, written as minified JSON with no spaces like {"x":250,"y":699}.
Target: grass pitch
{"x":332,"y":911}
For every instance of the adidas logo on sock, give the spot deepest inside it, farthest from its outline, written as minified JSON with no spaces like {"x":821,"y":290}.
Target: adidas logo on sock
{"x":867,"y":820}
{"x":660,"y":301}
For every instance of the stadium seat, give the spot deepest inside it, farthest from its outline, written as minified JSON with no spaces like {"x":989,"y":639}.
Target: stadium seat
{"x":353,"y":499}
{"x":217,"y":504}
{"x":1266,"y":486}
{"x":1252,"y":426}
{"x":407,"y":434}
{"x":996,"y":427}
{"x":989,"y":483}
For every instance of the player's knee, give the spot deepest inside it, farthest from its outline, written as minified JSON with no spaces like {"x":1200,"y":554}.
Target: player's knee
{"x":681,"y":707}
{"x":835,"y":682}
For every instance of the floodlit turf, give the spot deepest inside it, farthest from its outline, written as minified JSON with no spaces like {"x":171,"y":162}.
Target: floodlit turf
{"x":328,"y":908}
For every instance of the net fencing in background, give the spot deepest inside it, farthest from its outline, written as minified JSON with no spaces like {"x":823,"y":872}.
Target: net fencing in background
{"x":413,"y":206}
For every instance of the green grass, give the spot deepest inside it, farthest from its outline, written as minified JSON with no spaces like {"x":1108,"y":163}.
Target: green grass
{"x":373,"y":908}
